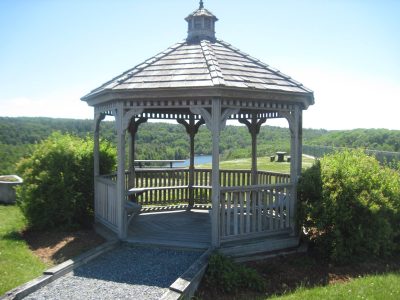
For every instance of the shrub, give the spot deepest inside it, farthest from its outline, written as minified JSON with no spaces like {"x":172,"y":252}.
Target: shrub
{"x":350,"y":206}
{"x":226,"y":276}
{"x":58,"y":181}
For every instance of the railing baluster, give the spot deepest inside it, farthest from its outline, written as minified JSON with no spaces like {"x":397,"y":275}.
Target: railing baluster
{"x":248,"y":211}
{"x":241,"y":195}
{"x":228,"y":213}
{"x":222,"y":214}
{"x":235,"y":213}
{"x":259,"y":211}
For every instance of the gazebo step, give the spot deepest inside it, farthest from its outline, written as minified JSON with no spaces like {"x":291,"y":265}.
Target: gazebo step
{"x":261,"y":245}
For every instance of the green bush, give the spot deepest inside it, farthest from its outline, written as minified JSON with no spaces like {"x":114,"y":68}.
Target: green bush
{"x":349,"y":206}
{"x":58,"y":181}
{"x":226,"y":276}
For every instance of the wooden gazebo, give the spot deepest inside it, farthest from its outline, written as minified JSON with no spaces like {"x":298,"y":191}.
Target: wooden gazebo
{"x":204,"y":80}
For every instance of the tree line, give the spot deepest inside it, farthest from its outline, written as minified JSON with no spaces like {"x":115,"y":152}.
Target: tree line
{"x":19,"y":135}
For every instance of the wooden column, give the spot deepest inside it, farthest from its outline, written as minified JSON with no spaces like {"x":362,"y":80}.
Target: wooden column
{"x":295,"y":125}
{"x":191,"y":129}
{"x":120,"y":201}
{"x":133,"y":128}
{"x":215,"y":122}
{"x":96,"y":156}
{"x":96,"y":147}
{"x":215,"y":133}
{"x":254,"y":126}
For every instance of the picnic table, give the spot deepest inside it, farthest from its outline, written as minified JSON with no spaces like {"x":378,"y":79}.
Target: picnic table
{"x":160,"y":162}
{"x":281,"y":156}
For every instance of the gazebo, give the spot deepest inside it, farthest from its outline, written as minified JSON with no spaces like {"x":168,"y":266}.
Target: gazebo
{"x":203,"y":80}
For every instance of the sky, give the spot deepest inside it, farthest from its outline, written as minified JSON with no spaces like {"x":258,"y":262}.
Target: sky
{"x":53,"y":52}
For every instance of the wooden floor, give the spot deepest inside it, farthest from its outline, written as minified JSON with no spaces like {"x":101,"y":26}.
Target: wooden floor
{"x":178,"y":228}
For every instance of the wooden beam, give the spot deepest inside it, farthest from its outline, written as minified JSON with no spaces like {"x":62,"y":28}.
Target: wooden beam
{"x":215,"y":132}
{"x":254,"y":126}
{"x":120,"y":201}
{"x":133,"y":128}
{"x":191,"y":129}
{"x":96,"y":148}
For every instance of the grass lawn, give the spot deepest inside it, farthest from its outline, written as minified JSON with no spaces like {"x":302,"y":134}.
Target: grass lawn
{"x":25,"y":254}
{"x":17,"y":263}
{"x":263,"y":163}
{"x":385,"y":286}
{"x":304,"y":276}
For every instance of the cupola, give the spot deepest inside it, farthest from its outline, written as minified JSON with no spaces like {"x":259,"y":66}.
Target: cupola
{"x":201,"y":25}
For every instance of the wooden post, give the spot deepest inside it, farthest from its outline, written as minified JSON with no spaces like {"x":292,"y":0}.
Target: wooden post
{"x":96,"y":147}
{"x":300,"y":143}
{"x":191,"y":129}
{"x":254,"y":127}
{"x":215,"y":132}
{"x":120,"y":201}
{"x":254,"y":132}
{"x":191,"y":164}
{"x":133,"y":128}
{"x":96,"y":156}
{"x":295,"y":125}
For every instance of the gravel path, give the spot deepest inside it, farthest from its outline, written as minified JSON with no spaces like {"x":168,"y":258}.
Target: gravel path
{"x":126,"y":272}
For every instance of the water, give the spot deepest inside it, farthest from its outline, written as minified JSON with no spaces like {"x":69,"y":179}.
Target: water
{"x":198,"y":160}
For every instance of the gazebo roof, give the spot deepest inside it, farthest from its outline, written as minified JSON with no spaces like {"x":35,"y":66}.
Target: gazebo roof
{"x":203,"y":62}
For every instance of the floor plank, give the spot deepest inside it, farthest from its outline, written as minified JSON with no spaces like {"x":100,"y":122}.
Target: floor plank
{"x":178,"y":228}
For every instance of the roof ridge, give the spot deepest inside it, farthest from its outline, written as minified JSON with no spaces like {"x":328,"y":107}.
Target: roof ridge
{"x":212,"y":63}
{"x":264,"y":65}
{"x":136,"y":69}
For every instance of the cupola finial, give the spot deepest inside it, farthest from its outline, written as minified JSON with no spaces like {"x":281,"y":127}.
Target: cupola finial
{"x":201,"y":25}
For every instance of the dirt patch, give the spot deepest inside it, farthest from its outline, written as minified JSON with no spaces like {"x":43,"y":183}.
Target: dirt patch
{"x":54,"y":247}
{"x":287,"y":273}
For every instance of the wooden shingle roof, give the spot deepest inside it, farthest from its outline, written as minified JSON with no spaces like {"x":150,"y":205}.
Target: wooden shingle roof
{"x":205,"y":64}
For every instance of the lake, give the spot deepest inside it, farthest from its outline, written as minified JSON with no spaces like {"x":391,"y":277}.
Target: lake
{"x":198,"y":160}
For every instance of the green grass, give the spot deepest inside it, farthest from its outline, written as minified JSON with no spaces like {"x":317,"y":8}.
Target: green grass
{"x":17,"y":263}
{"x":263,"y":164}
{"x":385,"y":286}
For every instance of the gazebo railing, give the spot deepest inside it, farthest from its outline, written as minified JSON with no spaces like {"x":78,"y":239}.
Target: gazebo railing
{"x":256,"y":205}
{"x":167,"y":177}
{"x":254,"y":211}
{"x":105,"y":204}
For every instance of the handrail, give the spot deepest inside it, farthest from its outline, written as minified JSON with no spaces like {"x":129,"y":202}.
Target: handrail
{"x":231,"y":180}
{"x":250,"y":188}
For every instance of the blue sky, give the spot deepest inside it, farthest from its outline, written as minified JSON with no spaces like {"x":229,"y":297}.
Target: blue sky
{"x":52,"y":52}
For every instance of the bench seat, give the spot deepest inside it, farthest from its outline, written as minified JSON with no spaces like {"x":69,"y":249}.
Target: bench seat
{"x":139,"y":191}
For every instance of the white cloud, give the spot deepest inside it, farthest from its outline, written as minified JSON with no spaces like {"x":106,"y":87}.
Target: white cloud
{"x":342,"y":101}
{"x":60,"y":105}
{"x":348,"y":101}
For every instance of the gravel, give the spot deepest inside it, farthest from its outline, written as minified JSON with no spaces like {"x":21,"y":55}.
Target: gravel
{"x":126,"y":272}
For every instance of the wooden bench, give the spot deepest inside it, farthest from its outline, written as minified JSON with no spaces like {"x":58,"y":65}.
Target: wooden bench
{"x":272,"y":158}
{"x":134,"y":193}
{"x":132,"y":206}
{"x":132,"y":209}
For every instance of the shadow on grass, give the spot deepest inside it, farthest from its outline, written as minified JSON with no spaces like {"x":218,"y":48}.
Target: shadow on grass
{"x":13,"y":236}
{"x":57,"y":246}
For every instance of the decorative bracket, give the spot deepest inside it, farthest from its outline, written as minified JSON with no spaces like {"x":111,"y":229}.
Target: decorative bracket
{"x":226,"y":114}
{"x":254,"y":125}
{"x":191,"y":128}
{"x":134,"y":125}
{"x":289,"y":116}
{"x":208,"y":119}
{"x":205,"y":115}
{"x":129,"y":115}
{"x":98,"y":117}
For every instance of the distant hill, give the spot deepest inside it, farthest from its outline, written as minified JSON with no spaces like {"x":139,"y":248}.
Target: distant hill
{"x":170,"y":141}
